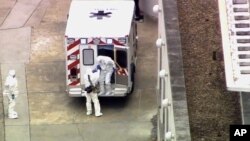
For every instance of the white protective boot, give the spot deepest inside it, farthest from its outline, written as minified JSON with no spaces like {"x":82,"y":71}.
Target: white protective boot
{"x":108,"y":89}
{"x":11,"y":113}
{"x":97,"y":106}
{"x":89,"y":113}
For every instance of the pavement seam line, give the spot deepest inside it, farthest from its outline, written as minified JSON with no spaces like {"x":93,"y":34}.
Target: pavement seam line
{"x":78,"y":129}
{"x":2,"y":104}
{"x":8,"y":14}
{"x":242,"y":110}
{"x":33,"y":12}
{"x":28,"y":104}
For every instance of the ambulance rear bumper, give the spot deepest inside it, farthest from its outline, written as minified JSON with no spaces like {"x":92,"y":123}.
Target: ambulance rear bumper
{"x":76,"y":92}
{"x":79,"y":92}
{"x":117,"y":92}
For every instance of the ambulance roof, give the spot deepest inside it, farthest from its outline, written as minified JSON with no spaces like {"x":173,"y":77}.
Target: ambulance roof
{"x":92,"y":18}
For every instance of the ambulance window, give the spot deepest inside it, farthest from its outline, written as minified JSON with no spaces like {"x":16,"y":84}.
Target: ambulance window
{"x":106,"y":50}
{"x":121,"y":58}
{"x":88,"y":57}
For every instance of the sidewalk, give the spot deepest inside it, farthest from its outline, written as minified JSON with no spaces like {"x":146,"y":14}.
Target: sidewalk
{"x":20,"y":126}
{"x":14,"y":55}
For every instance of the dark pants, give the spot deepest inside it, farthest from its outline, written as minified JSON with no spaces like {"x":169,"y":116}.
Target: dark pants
{"x":137,"y":9}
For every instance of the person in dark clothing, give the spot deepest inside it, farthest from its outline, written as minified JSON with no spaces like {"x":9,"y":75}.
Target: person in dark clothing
{"x":138,"y":16}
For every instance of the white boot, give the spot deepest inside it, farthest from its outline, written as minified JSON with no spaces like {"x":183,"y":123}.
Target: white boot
{"x":108,"y":89}
{"x":97,"y":106}
{"x":89,"y":113}
{"x":13,"y":115}
{"x":98,"y":114}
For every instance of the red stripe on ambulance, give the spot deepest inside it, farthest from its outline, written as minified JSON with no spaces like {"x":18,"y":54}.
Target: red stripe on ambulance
{"x":74,"y":64}
{"x":74,"y":53}
{"x":77,"y":42}
{"x":117,"y":42}
{"x":73,"y":61}
{"x":75,"y":82}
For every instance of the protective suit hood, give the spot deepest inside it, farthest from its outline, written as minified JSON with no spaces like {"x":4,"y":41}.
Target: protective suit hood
{"x":12,"y":73}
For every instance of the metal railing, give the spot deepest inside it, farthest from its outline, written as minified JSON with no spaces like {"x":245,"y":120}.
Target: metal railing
{"x":165,"y":123}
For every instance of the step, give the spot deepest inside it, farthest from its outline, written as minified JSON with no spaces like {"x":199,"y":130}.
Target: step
{"x":241,"y":6}
{"x":242,"y":52}
{"x":244,"y":67}
{"x":242,"y":60}
{"x":240,"y":29}
{"x":240,"y":13}
{"x":239,"y":21}
{"x":241,"y":37}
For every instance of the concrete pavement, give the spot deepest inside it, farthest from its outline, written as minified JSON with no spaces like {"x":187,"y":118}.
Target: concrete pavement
{"x":15,"y":45}
{"x":5,"y":8}
{"x":20,"y":13}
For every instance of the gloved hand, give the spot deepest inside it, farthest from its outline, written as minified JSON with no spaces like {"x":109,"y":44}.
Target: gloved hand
{"x":98,"y":67}
{"x":95,"y":70}
{"x":13,"y":96}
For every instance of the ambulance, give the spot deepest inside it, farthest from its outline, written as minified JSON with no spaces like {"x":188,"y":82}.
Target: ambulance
{"x":102,"y":28}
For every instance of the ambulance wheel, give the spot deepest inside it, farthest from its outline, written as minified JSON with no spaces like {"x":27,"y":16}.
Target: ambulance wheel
{"x":132,"y":78}
{"x":133,"y":83}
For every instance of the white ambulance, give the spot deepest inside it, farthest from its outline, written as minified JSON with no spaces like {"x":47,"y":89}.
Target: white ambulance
{"x":102,"y":28}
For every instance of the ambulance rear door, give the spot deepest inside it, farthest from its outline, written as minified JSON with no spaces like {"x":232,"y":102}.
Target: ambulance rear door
{"x":121,"y":55}
{"x":88,"y":54}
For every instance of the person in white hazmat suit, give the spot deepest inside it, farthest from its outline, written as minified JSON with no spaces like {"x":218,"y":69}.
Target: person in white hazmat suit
{"x":91,"y":78}
{"x":12,"y":93}
{"x":106,"y":66}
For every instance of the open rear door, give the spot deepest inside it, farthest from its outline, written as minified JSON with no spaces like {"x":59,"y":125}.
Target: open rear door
{"x":87,"y":55}
{"x":122,"y":65}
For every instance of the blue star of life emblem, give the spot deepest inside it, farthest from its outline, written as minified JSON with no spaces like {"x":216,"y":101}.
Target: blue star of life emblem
{"x":100,"y":14}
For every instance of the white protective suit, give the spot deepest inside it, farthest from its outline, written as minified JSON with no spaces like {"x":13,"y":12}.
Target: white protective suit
{"x":107,"y":66}
{"x":12,"y":92}
{"x":94,"y":77}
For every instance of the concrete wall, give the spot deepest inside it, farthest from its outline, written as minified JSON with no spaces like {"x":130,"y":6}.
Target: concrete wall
{"x":147,"y":6}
